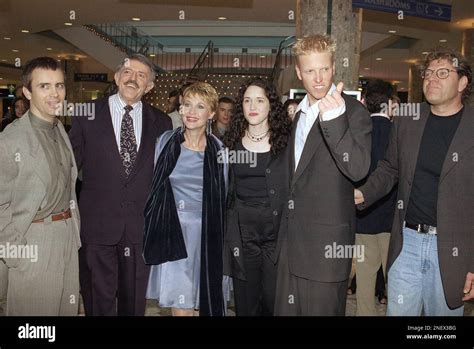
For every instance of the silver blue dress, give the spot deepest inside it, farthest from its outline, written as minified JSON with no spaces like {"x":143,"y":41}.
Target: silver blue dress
{"x":176,"y":284}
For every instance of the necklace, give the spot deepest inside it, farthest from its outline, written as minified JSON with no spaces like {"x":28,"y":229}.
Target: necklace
{"x":257,"y":138}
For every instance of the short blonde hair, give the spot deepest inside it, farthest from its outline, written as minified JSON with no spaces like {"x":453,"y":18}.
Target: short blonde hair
{"x":314,"y":43}
{"x":205,"y":91}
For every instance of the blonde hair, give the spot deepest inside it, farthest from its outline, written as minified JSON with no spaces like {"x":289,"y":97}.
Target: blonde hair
{"x":205,"y":91}
{"x":314,"y":43}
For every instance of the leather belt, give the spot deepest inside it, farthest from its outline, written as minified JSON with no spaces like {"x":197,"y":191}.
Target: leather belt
{"x":422,"y":228}
{"x":56,"y":217}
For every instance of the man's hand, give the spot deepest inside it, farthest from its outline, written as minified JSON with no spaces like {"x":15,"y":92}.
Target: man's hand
{"x":469,"y":287}
{"x":358,"y":197}
{"x":333,"y":101}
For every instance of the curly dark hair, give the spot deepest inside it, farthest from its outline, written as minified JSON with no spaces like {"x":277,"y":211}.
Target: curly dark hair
{"x":278,"y":120}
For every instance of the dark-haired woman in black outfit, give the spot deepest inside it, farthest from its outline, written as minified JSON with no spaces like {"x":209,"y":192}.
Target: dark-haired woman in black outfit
{"x":256,"y":139}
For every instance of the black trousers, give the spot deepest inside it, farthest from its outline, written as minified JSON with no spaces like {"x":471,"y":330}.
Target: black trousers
{"x":113,"y":279}
{"x":256,"y":295}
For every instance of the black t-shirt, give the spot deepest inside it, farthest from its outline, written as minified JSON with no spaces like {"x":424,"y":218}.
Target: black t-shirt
{"x":437,"y":136}
{"x":250,"y":179}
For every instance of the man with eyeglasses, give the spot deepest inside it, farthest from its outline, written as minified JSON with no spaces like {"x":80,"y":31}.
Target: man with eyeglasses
{"x":431,"y":256}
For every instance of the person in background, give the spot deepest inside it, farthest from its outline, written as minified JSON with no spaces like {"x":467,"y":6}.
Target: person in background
{"x":374,"y":224}
{"x":223,"y":116}
{"x":19,"y":107}
{"x":290,"y":107}
{"x":258,"y":191}
{"x":172,"y":108}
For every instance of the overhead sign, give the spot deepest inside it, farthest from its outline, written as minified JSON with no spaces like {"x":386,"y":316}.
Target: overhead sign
{"x":417,"y":8}
{"x":96,"y":77}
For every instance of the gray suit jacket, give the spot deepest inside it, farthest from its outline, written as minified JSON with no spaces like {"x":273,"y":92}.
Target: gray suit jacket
{"x":455,"y":195}
{"x":320,"y":214}
{"x":24,"y":172}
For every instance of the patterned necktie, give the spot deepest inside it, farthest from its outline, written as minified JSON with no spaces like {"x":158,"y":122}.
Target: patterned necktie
{"x":128,"y":143}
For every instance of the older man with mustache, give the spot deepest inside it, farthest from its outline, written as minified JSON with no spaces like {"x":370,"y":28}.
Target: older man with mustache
{"x":115,"y":149}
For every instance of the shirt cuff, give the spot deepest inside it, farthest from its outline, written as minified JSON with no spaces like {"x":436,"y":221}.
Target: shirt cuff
{"x":332,"y":114}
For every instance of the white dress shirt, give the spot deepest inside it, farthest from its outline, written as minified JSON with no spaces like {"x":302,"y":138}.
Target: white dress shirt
{"x":306,"y":121}
{"x":117,"y":105}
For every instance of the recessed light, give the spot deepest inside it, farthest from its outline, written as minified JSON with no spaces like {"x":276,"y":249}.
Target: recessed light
{"x":378,"y":59}
{"x":392,"y":31}
{"x":4,"y":60}
{"x":262,"y":56}
{"x":152,"y":55}
{"x":136,"y":19}
{"x":366,"y":68}
{"x":15,"y":51}
{"x":25,"y":31}
{"x":221,"y":18}
{"x":67,"y":23}
{"x":6,"y":38}
{"x":1,"y":78}
{"x":361,"y":76}
{"x":49,"y":48}
{"x":443,"y":40}
{"x":424,"y":52}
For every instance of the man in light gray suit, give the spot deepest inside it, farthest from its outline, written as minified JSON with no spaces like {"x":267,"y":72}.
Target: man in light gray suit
{"x":39,"y":219}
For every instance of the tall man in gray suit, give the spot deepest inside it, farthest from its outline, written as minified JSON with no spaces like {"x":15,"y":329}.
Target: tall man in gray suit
{"x":431,"y":157}
{"x":330,"y":147}
{"x":39,"y":219}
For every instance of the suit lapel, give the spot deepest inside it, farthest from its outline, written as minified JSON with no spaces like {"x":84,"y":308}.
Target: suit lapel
{"x":462,"y":141}
{"x":108,"y":141}
{"x":312,"y":143}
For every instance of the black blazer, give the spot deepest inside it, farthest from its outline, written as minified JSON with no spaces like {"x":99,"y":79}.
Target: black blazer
{"x":321,"y":211}
{"x":455,"y":196}
{"x":109,"y":200}
{"x":276,"y":175}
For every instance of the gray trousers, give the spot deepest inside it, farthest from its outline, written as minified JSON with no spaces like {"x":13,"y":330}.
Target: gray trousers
{"x":46,"y":284}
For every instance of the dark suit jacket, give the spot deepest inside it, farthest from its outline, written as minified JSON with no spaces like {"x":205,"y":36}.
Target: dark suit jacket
{"x":109,"y":200}
{"x":378,"y":218}
{"x":455,"y":196}
{"x":277,"y":176}
{"x":321,"y":211}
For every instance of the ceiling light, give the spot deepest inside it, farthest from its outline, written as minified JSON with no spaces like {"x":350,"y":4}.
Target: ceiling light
{"x":221,"y":18}
{"x":49,"y":48}
{"x":392,"y":31}
{"x":67,"y":23}
{"x":15,"y":50}
{"x":378,"y":59}
{"x":4,"y":60}
{"x":25,"y":31}
{"x":152,"y":55}
{"x":366,"y":68}
{"x":424,"y":52}
{"x":443,"y":40}
{"x":136,"y":19}
{"x":262,"y":56}
{"x":6,"y":38}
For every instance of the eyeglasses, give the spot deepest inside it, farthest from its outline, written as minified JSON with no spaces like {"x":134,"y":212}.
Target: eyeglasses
{"x":441,"y":73}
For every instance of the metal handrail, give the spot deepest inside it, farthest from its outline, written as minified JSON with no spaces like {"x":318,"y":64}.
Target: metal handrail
{"x":284,"y":44}
{"x":208,"y":53}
